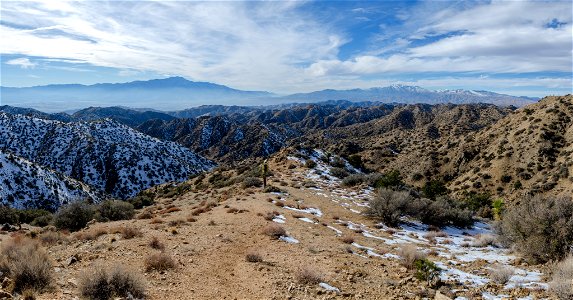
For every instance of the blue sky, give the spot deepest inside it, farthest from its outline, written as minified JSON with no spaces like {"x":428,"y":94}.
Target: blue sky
{"x":514,"y":47}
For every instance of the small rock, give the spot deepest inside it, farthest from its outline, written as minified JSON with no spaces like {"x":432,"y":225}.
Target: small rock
{"x":73,"y":259}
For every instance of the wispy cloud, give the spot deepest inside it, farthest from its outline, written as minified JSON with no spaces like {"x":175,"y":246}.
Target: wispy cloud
{"x":285,"y":46}
{"x":24,"y":63}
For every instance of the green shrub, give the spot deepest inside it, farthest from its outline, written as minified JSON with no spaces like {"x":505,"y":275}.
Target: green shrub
{"x":29,"y":215}
{"x":389,"y":179}
{"x":355,"y":160}
{"x":434,"y":188}
{"x":337,"y":162}
{"x":309,"y":163}
{"x":74,"y":216}
{"x":8,"y":215}
{"x":114,"y":210}
{"x":388,"y":206}
{"x":517,"y":185}
{"x":353,"y":180}
{"x":142,"y":200}
{"x":427,"y":270}
{"x":338,"y":172}
{"x":42,"y":221}
{"x":505,"y":178}
{"x":497,"y":208}
{"x":540,"y":228}
{"x":251,"y":182}
{"x":475,"y":201}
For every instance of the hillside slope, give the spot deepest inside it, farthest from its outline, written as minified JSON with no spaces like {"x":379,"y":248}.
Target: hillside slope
{"x":26,"y":185}
{"x":108,"y":156}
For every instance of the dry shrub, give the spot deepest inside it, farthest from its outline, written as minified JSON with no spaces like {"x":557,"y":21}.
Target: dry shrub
{"x":170,"y":210}
{"x":484,"y":240}
{"x":197,"y":211}
{"x":156,"y":221}
{"x":159,"y":262}
{"x":347,"y":239}
{"x":274,"y":231}
{"x":308,"y":276}
{"x":174,"y":223}
{"x":155,"y":243}
{"x":409,"y":254}
{"x":388,"y":206}
{"x":128,"y":232}
{"x":191,"y":219}
{"x":103,"y":284}
{"x":269,"y":216}
{"x":279,"y":204}
{"x":253,"y":257}
{"x":540,"y":228}
{"x":114,"y":210}
{"x":562,"y":279}
{"x":145,"y":215}
{"x":501,"y":274}
{"x":26,"y":263}
{"x":435,"y":234}
{"x":90,"y":235}
{"x":232,"y":210}
{"x":52,"y":237}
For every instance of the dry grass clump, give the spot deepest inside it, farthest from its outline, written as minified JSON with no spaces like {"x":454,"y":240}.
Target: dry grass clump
{"x":562,"y":279}
{"x":145,"y":215}
{"x":52,"y":237}
{"x":269,"y":216}
{"x":155,"y":243}
{"x":274,"y":231}
{"x":117,"y":283}
{"x":409,"y":254}
{"x":26,"y":263}
{"x":90,"y":234}
{"x":159,"y":262}
{"x":175,"y":223}
{"x":232,"y":210}
{"x":191,"y":219}
{"x":128,"y":232}
{"x":156,"y":221}
{"x":501,"y":274}
{"x":484,"y":240}
{"x":347,"y":239}
{"x":308,"y":276}
{"x":253,"y":257}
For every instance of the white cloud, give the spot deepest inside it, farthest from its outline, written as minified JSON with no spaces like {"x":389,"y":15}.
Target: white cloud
{"x":500,"y":37}
{"x":24,"y":63}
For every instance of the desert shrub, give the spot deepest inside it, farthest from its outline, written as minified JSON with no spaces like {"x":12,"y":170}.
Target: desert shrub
{"x":409,"y":254}
{"x":43,"y":221}
{"x":562,"y":279}
{"x":353,"y":180}
{"x":308,"y":276}
{"x":501,"y":274}
{"x":272,"y":189}
{"x":347,"y":239}
{"x":389,"y":179}
{"x":251,"y":182}
{"x":434,"y":188}
{"x":26,"y":263}
{"x":253,"y":257}
{"x":505,"y":178}
{"x":338,"y":172}
{"x":8,"y":215}
{"x":540,"y":228}
{"x":356,"y":161}
{"x":143,"y":199}
{"x":426,"y":270}
{"x":101,"y":284}
{"x":51,"y":237}
{"x":159,"y":262}
{"x":74,"y":216}
{"x":114,"y":210}
{"x":441,"y":212}
{"x":484,"y":240}
{"x":388,"y":206}
{"x":155,"y":243}
{"x":475,"y":201}
{"x":309,"y":163}
{"x":517,"y":185}
{"x":29,"y":215}
{"x":129,"y":232}
{"x":337,"y":162}
{"x":274,"y":231}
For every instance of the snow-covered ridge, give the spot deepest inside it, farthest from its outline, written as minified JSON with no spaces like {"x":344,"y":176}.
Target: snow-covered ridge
{"x":24,"y":184}
{"x":109,"y":156}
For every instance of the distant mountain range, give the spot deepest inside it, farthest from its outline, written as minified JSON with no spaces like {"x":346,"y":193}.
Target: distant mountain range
{"x":177,"y":93}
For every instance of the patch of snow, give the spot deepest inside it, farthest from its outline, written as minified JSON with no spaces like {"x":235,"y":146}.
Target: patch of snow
{"x":289,"y":239}
{"x":307,"y":220}
{"x":328,"y":287}
{"x":279,"y":219}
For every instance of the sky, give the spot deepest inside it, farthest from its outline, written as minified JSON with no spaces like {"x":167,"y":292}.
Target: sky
{"x":514,"y":47}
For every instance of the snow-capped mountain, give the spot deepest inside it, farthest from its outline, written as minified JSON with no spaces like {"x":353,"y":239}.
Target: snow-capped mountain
{"x":24,"y":184}
{"x":109,"y":156}
{"x":398,"y":93}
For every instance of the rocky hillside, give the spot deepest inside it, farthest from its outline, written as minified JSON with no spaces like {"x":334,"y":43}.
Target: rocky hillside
{"x":24,"y":184}
{"x":108,"y":156}
{"x":529,"y":151}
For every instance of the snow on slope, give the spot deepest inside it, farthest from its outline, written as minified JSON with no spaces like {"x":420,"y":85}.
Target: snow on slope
{"x":108,"y":156}
{"x":26,"y":185}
